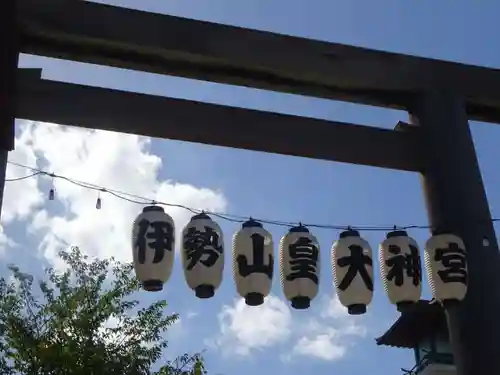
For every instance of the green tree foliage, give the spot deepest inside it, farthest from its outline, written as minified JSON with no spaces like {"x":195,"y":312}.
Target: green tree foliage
{"x":57,"y":326}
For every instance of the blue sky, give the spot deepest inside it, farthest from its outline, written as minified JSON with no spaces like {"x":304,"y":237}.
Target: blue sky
{"x":272,"y":339}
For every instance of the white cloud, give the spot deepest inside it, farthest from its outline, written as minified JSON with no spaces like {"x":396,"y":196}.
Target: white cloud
{"x":326,"y":335}
{"x":21,"y":197}
{"x":334,"y":309}
{"x":5,"y":242}
{"x":244,"y":329}
{"x":324,"y":345}
{"x":329,"y":338}
{"x":117,"y":161}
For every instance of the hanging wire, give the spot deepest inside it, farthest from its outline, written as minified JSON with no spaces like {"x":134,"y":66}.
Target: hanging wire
{"x":140,"y":200}
{"x":23,"y":178}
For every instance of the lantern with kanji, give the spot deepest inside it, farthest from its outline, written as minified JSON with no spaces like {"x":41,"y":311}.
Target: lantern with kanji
{"x":203,"y":255}
{"x":400,"y":268}
{"x":153,"y":247}
{"x":446,"y":263}
{"x":352,"y":265}
{"x":299,"y":266}
{"x":253,"y":262}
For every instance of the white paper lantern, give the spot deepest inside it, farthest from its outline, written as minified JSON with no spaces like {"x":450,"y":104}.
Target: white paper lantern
{"x":253,"y":262}
{"x":299,"y":266}
{"x":446,"y":263}
{"x":203,"y":255}
{"x":401,"y":268}
{"x":352,"y":264}
{"x":153,"y":247}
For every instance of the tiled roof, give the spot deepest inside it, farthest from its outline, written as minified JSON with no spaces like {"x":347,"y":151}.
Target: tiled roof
{"x":421,"y":320}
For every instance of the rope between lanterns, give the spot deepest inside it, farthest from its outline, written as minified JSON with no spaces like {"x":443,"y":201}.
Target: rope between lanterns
{"x":141,"y":200}
{"x":202,"y":253}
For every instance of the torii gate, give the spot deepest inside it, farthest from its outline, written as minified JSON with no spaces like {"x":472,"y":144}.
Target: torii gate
{"x":440,"y":96}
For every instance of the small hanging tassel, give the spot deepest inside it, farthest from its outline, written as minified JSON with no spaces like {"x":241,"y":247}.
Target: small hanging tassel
{"x":98,"y":203}
{"x":52,"y":194}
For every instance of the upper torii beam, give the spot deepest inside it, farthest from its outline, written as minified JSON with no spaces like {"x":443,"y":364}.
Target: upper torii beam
{"x":132,"y":39}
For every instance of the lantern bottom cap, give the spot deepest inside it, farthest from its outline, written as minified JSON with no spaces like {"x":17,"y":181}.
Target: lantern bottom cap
{"x":404,"y":305}
{"x":254,"y":299}
{"x":301,"y":302}
{"x":356,"y":309}
{"x":152,"y":285}
{"x":204,"y":291}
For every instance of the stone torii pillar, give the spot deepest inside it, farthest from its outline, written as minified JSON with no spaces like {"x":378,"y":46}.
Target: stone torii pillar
{"x":456,"y":203}
{"x":9,"y":57}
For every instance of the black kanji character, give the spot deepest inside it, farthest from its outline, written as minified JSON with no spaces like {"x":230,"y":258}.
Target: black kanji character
{"x":357,"y":263}
{"x":304,"y":260}
{"x":404,"y":264}
{"x":199,"y":243}
{"x":258,"y":265}
{"x":453,"y":258}
{"x":160,"y":239}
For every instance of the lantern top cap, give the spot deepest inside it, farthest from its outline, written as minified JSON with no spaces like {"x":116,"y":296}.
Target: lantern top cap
{"x":397,"y":233}
{"x":153,"y":209}
{"x":251,"y":224}
{"x":349,"y":233}
{"x":299,"y":229}
{"x":200,"y":216}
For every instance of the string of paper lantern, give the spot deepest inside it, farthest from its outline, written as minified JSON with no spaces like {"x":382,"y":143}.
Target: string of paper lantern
{"x":140,"y":200}
{"x":202,"y":252}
